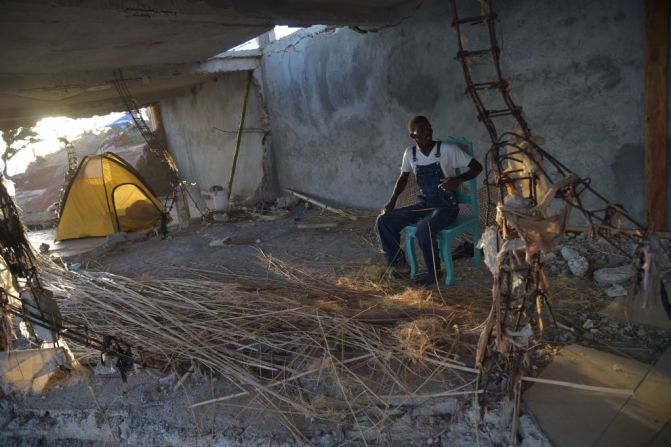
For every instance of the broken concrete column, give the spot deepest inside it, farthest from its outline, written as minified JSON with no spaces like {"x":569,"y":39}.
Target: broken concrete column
{"x":182,"y":207}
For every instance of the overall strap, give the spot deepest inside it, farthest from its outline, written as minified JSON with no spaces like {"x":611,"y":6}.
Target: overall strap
{"x":414,"y":152}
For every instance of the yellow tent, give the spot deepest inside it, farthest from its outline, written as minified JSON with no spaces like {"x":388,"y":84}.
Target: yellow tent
{"x":106,"y":195}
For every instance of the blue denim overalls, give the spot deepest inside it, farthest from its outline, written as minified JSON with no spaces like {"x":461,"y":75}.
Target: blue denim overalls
{"x":436,"y":209}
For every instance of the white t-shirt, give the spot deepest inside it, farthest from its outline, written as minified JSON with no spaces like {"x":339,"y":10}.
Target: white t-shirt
{"x":451,"y":158}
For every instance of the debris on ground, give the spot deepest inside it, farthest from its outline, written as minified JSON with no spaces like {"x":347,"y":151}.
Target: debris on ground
{"x":221,"y":242}
{"x":286,"y":202}
{"x":320,"y":204}
{"x":204,"y":341}
{"x":74,"y":266}
{"x":614,"y":275}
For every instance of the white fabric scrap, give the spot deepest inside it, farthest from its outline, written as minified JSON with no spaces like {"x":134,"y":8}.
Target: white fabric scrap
{"x":490,"y":242}
{"x":651,"y":277}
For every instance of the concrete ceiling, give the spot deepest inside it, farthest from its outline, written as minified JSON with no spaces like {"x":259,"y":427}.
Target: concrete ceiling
{"x":58,"y":56}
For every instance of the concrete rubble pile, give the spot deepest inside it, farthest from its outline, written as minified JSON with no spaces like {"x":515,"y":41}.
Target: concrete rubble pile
{"x":580,"y":256}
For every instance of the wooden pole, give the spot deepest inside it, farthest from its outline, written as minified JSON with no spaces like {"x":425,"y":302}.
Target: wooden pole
{"x":656,"y":68}
{"x":240,"y":129}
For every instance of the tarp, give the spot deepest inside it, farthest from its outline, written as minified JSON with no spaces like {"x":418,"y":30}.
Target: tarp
{"x":123,"y":121}
{"x":106,"y":196}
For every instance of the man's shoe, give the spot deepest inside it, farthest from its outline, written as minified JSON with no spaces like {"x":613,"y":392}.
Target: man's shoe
{"x":427,"y":280}
{"x":400,"y":269}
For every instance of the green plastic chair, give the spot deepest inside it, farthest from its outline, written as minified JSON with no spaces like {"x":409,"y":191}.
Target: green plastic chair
{"x":464,"y":224}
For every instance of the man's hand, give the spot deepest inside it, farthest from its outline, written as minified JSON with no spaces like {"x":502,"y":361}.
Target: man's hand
{"x":389,"y":206}
{"x":398,"y":189}
{"x":450,"y":183}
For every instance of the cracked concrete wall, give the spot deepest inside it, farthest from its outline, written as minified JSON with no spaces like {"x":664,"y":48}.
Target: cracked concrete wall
{"x":339,"y":100}
{"x":581,"y":81}
{"x":204,"y":154}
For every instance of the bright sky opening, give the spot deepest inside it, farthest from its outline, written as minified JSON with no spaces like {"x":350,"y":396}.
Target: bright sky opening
{"x":49,"y":130}
{"x":283,"y":31}
{"x":280,"y":32}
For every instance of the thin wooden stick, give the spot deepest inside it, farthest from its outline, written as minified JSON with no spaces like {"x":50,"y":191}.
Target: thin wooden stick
{"x":319,"y":204}
{"x":598,"y":389}
{"x":182,"y":379}
{"x":309,"y":226}
{"x":452,"y":365}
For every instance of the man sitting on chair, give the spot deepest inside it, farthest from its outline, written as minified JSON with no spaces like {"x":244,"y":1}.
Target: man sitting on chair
{"x":436,"y":208}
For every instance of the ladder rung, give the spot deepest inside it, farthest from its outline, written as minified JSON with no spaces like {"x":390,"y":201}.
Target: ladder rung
{"x":140,"y":124}
{"x":502,"y":112}
{"x":474,"y":20}
{"x":477,"y":53}
{"x":487,"y":85}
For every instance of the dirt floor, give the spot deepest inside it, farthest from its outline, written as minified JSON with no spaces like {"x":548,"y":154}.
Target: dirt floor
{"x":350,"y":253}
{"x":328,"y":251}
{"x":154,"y":406}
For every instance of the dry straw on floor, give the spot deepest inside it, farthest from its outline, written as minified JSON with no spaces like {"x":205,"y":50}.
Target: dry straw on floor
{"x":270,"y":342}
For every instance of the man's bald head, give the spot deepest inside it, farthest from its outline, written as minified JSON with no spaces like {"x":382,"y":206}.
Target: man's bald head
{"x":416,"y":120}
{"x":420,"y":130}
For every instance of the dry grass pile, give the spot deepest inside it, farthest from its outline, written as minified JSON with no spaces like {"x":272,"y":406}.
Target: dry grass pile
{"x":424,"y":335}
{"x":291,"y":355}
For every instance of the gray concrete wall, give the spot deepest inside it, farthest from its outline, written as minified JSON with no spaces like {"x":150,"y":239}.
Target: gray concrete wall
{"x":339,"y":100}
{"x":205,"y":155}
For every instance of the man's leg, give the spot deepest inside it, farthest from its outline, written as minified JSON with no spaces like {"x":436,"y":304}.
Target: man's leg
{"x":389,"y":226}
{"x":427,"y":236}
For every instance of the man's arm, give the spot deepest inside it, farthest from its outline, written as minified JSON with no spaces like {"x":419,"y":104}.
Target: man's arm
{"x":474,"y":168}
{"x":398,"y":189}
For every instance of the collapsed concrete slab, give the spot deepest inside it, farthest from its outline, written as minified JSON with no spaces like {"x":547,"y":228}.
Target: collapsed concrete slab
{"x":31,"y":370}
{"x":633,"y":311}
{"x":575,"y":417}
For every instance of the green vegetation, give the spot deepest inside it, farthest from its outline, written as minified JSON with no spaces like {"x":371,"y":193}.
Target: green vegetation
{"x":15,"y":141}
